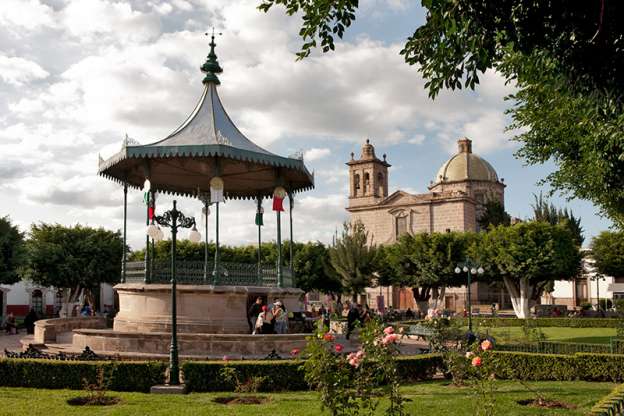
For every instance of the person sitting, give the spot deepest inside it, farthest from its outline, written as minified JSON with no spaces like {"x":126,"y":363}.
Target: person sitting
{"x":352,"y":317}
{"x":86,"y":310}
{"x":409,"y":314}
{"x":10,"y":325}
{"x":29,"y":321}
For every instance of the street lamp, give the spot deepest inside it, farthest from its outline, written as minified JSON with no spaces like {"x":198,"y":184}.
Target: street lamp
{"x":469,"y":267}
{"x":174,"y":219}
{"x":598,"y":277}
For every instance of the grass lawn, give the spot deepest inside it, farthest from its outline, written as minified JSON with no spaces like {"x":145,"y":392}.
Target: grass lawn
{"x":431,"y":398}
{"x":589,"y":335}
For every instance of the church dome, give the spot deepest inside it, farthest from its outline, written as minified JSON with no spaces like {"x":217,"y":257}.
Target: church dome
{"x":465,"y":165}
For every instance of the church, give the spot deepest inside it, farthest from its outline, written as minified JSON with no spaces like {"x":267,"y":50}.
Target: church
{"x":454,"y":202}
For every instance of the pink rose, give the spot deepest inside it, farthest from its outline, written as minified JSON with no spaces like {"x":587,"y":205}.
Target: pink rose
{"x":476,"y":362}
{"x":226,"y":358}
{"x":469,"y":354}
{"x":388,"y":330}
{"x":359,"y":354}
{"x":338,"y":348}
{"x":486,"y":345}
{"x":328,"y":337}
{"x":295,"y":352}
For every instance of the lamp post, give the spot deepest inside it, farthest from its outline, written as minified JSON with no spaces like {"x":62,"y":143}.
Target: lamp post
{"x":469,"y":267}
{"x":598,"y":277}
{"x":174,"y":219}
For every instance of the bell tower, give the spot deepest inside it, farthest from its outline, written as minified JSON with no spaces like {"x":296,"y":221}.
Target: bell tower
{"x":368,"y":177}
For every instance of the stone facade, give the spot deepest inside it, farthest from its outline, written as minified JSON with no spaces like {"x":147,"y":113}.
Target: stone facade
{"x":454,"y":203}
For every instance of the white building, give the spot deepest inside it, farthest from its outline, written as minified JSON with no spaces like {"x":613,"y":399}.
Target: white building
{"x":20,"y":297}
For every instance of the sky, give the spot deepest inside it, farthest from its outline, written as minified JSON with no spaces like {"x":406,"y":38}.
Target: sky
{"x":76,"y":76}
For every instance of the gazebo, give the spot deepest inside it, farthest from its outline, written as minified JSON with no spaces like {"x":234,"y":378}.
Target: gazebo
{"x":206,"y":157}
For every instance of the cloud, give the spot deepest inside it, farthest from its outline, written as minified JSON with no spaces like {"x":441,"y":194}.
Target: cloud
{"x":316,"y":153}
{"x":26,"y":14}
{"x":18,"y":71}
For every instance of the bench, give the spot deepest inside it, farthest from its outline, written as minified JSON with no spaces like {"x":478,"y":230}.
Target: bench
{"x":420,"y":331}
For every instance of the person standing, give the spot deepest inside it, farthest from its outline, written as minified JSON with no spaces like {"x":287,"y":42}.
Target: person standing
{"x":29,"y":321}
{"x":281,"y":318}
{"x":252,"y":314}
{"x":264,"y":323}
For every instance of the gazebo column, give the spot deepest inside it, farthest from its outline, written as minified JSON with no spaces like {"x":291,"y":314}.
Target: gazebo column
{"x":206,"y":204}
{"x":279,"y":249}
{"x":125,"y":230}
{"x":290,"y":210}
{"x":216,"y":274}
{"x":259,"y":221}
{"x":153,"y":245}
{"x":147,"y":239}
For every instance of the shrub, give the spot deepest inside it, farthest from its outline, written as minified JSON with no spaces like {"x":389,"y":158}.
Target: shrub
{"x":610,"y":405}
{"x":280,"y":375}
{"x":202,"y":376}
{"x":547,"y":322}
{"x":47,"y":374}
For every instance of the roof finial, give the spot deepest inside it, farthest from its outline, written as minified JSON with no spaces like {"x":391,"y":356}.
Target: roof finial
{"x":211,"y":67}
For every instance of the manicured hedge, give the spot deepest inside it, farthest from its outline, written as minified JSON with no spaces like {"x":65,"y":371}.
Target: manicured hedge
{"x":49,"y":374}
{"x":610,"y":405}
{"x":288,"y":374}
{"x":581,"y":366}
{"x":540,"y":322}
{"x":548,"y":322}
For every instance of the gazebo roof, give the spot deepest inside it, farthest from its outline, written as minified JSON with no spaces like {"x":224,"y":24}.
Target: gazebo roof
{"x":206,"y":145}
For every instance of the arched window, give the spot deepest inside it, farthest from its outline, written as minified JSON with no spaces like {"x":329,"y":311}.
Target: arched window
{"x":380,"y":184}
{"x":36,"y":301}
{"x":356,"y":184}
{"x":366,"y":183}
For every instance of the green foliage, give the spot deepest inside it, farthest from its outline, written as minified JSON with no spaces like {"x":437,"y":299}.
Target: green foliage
{"x":564,"y":58}
{"x":12,"y":251}
{"x":48,"y":374}
{"x":69,"y":257}
{"x":354,"y":384}
{"x":427,"y":260}
{"x":545,"y":211}
{"x":288,"y":375}
{"x":355,"y":258}
{"x":527,"y":256}
{"x":608,"y":251}
{"x":313,"y":271}
{"x":494,"y":214}
{"x":251,"y":385}
{"x":610,"y":405}
{"x":545,"y":322}
{"x":279,"y":375}
{"x":580,"y":366}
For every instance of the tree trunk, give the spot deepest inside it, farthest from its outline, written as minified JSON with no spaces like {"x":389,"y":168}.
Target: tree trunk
{"x":71,"y":299}
{"x":422,"y":296}
{"x":519,"y":292}
{"x":437,"y":297}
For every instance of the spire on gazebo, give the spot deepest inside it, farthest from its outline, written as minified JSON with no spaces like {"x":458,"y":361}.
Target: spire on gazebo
{"x":211,"y":67}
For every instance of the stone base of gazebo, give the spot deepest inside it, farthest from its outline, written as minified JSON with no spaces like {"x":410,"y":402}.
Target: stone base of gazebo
{"x":190,"y":345}
{"x":201,"y":309}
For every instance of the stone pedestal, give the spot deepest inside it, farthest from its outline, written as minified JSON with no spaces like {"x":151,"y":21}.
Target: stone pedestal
{"x":168,"y":389}
{"x":202,"y":309}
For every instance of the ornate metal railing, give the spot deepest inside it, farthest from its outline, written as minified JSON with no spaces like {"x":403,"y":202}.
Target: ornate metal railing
{"x":193,"y":272}
{"x":33,"y":352}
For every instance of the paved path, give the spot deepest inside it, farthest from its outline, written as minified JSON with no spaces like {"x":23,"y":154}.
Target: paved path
{"x":10,"y":342}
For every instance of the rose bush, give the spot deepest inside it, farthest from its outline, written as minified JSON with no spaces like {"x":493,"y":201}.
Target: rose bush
{"x":355,"y":383}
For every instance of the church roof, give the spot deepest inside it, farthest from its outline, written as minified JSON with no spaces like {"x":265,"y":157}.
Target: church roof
{"x":465,"y":165}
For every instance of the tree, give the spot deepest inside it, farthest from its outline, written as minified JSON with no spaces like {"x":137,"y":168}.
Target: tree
{"x":73,"y":258}
{"x":12,"y":252}
{"x":607,"y":249}
{"x":564,"y":57}
{"x":526,"y":257}
{"x":426,"y":262}
{"x":354,"y":258}
{"x":494,"y":215}
{"x":544,"y":210}
{"x":311,"y":270}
